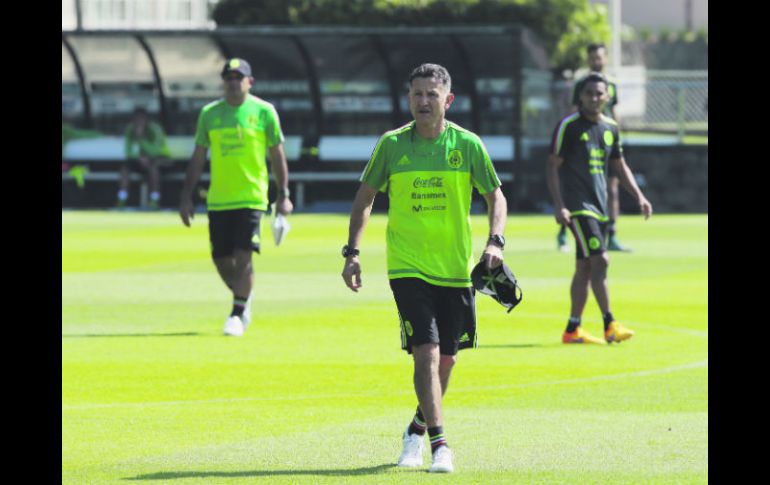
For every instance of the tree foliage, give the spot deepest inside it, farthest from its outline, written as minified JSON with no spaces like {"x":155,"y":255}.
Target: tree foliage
{"x":564,"y":26}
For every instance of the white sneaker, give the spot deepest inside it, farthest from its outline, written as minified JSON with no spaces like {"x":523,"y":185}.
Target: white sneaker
{"x":442,"y":460}
{"x":564,"y":248}
{"x":233,"y":326}
{"x":246,"y":318}
{"x":412,"y":454}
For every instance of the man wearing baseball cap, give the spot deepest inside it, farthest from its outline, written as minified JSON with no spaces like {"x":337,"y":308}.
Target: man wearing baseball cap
{"x":237,"y":65}
{"x":240,"y":130}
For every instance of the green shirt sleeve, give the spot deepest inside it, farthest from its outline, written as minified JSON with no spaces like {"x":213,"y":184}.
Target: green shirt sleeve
{"x":483,"y":175}
{"x":273,"y":127}
{"x":376,"y":172}
{"x":613,"y":92}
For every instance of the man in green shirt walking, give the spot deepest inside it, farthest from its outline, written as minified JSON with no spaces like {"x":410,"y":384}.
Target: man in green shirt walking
{"x":429,"y":168}
{"x":240,"y":130}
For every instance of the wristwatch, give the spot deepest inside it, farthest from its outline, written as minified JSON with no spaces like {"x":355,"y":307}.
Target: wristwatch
{"x":284,"y":193}
{"x":347,"y":251}
{"x":497,"y":239}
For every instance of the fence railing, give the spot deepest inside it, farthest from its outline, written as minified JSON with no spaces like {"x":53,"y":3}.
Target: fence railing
{"x":662,"y":102}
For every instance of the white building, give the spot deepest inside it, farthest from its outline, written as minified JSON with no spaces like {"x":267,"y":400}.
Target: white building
{"x":136,"y":14}
{"x":657,"y":14}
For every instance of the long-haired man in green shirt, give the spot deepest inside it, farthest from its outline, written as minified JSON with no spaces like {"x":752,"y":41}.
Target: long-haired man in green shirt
{"x":429,"y":168}
{"x":240,"y":130}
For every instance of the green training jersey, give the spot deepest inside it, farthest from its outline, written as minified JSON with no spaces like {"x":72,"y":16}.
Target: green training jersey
{"x":239,"y":137}
{"x":151,"y":144}
{"x":429,"y":185}
{"x":586,"y":148}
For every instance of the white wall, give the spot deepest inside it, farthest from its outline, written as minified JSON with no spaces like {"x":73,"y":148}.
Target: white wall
{"x":138,"y":14}
{"x":69,"y":19}
{"x":655,"y":14}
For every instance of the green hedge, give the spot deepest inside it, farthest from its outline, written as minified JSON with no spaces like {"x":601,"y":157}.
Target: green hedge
{"x":564,"y":26}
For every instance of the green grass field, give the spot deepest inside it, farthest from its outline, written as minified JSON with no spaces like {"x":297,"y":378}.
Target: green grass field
{"x":318,"y":391}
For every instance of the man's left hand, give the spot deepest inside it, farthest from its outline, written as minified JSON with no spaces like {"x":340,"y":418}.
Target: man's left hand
{"x":645,"y":207}
{"x":493,"y":256}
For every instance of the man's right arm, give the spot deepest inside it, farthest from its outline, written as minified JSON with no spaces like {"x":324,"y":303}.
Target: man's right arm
{"x":280,"y":170}
{"x":552,"y":179}
{"x":194,"y":170}
{"x":359,"y":216}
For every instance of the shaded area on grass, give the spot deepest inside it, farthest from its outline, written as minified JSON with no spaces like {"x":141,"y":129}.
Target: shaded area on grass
{"x":174,"y":334}
{"x":372,"y":470}
{"x":511,"y":346}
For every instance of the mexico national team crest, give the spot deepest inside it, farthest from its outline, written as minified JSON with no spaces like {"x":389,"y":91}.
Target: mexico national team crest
{"x":608,"y":138}
{"x":455,"y":159}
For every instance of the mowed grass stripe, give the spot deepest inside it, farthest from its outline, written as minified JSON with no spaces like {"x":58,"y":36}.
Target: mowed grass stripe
{"x":626,"y":375}
{"x":318,"y":391}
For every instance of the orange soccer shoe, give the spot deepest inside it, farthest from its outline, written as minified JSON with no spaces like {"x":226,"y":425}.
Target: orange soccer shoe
{"x":617,"y":333}
{"x":580,"y":336}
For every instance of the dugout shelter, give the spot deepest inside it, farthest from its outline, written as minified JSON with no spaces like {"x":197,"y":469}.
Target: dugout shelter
{"x":336,"y":90}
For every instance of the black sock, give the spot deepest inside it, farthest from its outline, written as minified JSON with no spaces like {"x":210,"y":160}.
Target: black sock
{"x":239,"y":303}
{"x":436,"y":436}
{"x":608,"y":318}
{"x":563,"y":230}
{"x":611,"y":227}
{"x":572,"y":324}
{"x":417,"y":426}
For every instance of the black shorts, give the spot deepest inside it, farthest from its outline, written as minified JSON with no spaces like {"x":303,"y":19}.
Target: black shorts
{"x":590,"y":236}
{"x":435,"y":314}
{"x":234,"y":229}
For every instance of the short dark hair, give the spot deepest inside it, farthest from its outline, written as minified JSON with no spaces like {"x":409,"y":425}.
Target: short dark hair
{"x":595,"y":47}
{"x":428,"y":70}
{"x":593,"y":77}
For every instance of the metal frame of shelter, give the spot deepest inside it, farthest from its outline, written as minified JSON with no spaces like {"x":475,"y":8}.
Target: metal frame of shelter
{"x":388,"y":50}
